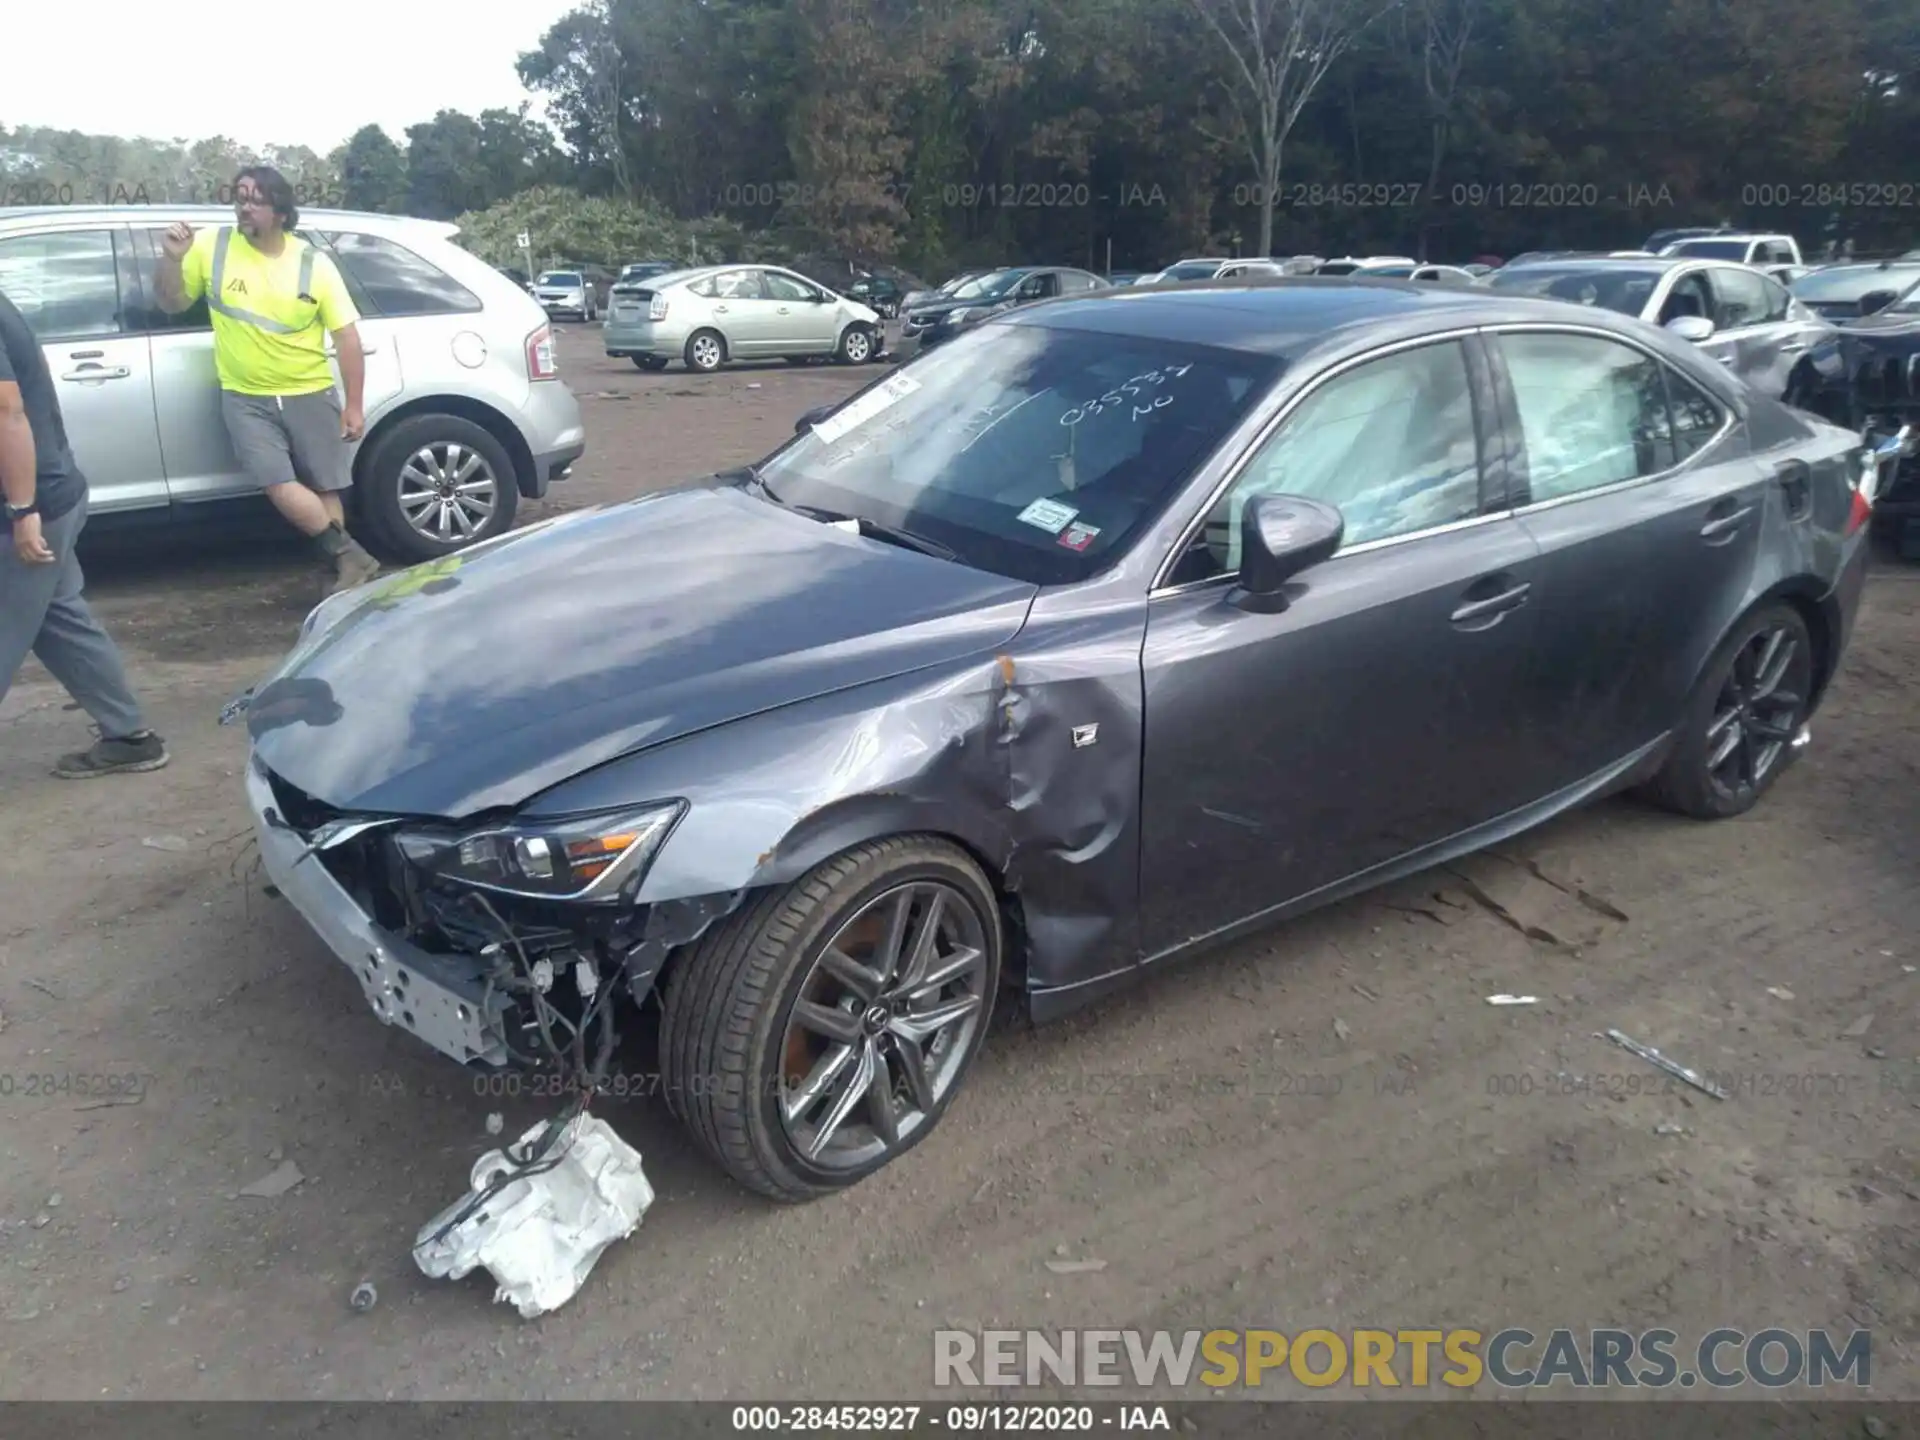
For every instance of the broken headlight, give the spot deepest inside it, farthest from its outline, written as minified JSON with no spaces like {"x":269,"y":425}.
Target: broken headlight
{"x":582,"y":857}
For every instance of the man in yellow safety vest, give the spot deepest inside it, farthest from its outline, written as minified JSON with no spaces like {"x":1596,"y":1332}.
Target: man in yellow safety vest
{"x":273,"y":299}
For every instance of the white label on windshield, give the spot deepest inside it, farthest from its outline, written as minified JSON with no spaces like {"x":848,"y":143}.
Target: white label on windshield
{"x":877,"y":400}
{"x":1050,"y":515}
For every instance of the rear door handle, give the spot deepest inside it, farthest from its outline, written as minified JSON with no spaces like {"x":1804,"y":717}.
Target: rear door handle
{"x":1721,"y":526}
{"x":1506,"y":600}
{"x":98,"y":372}
{"x":719,"y":309}
{"x":1794,"y":349}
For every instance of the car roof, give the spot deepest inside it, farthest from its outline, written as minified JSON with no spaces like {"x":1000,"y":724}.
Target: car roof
{"x":19,"y":217}
{"x":1286,"y":316}
{"x":1610,"y":262}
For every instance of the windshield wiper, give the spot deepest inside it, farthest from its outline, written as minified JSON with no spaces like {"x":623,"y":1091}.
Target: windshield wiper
{"x":905,"y":538}
{"x":874,"y":528}
{"x":893,"y":534}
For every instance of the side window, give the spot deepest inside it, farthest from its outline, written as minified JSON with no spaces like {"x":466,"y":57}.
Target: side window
{"x":1075,"y":282}
{"x":1592,"y":412}
{"x":785,"y":287}
{"x":1740,"y":297}
{"x":1391,"y":443}
{"x":66,"y":284}
{"x":147,"y":316}
{"x":395,"y":280}
{"x":1689,"y":296}
{"x":1778,"y":300}
{"x":1697,"y":417}
{"x":1038,"y":287}
{"x":738,"y":285}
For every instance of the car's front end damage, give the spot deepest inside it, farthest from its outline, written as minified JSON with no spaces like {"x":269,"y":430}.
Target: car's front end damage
{"x":1874,"y":389}
{"x":499,"y":946}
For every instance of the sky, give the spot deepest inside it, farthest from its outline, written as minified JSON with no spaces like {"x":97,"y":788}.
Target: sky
{"x":265,"y":74}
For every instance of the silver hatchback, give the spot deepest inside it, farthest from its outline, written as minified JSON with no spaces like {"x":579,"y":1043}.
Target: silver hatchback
{"x":709,"y":316}
{"x":465,"y":409}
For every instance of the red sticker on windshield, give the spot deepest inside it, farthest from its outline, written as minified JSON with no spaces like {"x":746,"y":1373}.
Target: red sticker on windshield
{"x":1079,"y":537}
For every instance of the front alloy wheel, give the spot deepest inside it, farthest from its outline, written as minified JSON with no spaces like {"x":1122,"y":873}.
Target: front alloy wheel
{"x":821,"y":1034}
{"x":1745,"y":719}
{"x":856,"y":346}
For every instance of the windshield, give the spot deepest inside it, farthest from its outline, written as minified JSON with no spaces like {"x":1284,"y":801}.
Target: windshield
{"x":1626,"y":291}
{"x":1825,"y":287}
{"x":1907,"y":304}
{"x":1192,"y":270}
{"x":989,"y":286}
{"x":1027,"y":450}
{"x":1711,"y":249}
{"x":559,"y":277}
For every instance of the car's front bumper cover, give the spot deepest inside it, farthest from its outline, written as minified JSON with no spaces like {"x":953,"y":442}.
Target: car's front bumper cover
{"x":442,"y":999}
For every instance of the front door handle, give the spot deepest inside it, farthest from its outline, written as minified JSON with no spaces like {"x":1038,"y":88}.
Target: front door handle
{"x":1721,"y":527}
{"x":1794,"y":349}
{"x":719,"y":309}
{"x":1492,"y":605}
{"x":98,"y":372}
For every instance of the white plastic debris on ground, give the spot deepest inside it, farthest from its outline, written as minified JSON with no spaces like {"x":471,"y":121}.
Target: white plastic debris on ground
{"x":542,"y":1234}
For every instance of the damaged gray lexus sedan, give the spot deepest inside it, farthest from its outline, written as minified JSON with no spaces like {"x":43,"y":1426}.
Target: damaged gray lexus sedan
{"x":1102,"y":635}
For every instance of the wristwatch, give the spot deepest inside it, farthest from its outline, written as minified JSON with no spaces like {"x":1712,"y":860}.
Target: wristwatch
{"x":20,"y":512}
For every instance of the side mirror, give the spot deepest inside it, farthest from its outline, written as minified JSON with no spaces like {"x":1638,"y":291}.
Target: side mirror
{"x":1875,"y":300}
{"x":813,"y":417}
{"x":1282,"y":535}
{"x":1691,"y":327}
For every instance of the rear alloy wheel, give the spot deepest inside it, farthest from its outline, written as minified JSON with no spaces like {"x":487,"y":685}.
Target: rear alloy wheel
{"x":706,"y":352}
{"x":1743,"y":720}
{"x":820,"y":1034}
{"x":856,"y":346}
{"x":434,"y":484}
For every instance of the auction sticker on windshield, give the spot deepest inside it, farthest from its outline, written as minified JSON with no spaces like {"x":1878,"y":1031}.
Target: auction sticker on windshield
{"x":858,"y":412}
{"x":1050,"y":515}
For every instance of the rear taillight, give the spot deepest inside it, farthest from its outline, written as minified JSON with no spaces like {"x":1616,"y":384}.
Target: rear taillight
{"x":657,"y":310}
{"x":541,"y":364}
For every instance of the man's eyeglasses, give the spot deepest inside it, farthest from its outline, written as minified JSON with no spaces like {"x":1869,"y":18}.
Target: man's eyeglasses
{"x":248,"y":201}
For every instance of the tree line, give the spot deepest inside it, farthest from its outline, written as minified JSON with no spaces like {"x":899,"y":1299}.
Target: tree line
{"x":940,"y":133}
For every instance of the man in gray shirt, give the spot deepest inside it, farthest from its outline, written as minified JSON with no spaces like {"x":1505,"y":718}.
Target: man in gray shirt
{"x":42,"y":609}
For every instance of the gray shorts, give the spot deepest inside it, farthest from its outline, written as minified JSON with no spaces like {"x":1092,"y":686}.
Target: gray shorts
{"x":284,"y":438}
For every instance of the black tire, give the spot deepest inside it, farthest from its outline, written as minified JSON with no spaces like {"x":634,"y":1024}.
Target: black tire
{"x":799,"y":359}
{"x":857,"y":346}
{"x":379,"y":484}
{"x":725,"y":1041}
{"x":1687,"y":782}
{"x":711,"y":357}
{"x":649,"y":362}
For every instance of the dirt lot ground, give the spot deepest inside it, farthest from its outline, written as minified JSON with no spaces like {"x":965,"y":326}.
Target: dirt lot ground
{"x":1327,"y":1125}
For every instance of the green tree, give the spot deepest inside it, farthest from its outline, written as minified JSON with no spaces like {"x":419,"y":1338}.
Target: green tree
{"x":373,"y":171}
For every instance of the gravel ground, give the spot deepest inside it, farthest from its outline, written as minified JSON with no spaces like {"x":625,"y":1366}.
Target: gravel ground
{"x":1325,"y":1125}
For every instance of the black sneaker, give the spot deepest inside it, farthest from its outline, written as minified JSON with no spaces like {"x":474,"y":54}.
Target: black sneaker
{"x":114,"y":757}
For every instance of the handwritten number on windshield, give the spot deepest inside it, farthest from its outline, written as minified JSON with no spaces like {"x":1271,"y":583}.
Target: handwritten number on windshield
{"x":1117,"y":397}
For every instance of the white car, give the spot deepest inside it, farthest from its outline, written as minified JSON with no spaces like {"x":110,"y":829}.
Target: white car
{"x":1368,"y":265}
{"x":706,"y":317}
{"x":465,"y":409}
